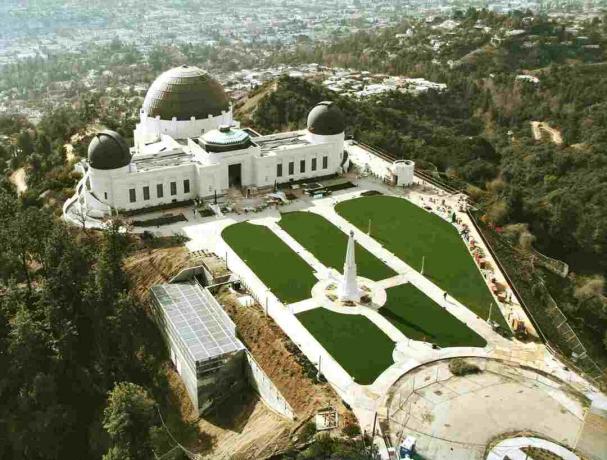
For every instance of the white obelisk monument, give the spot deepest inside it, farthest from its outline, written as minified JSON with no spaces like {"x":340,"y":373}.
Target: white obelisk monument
{"x":348,"y":288}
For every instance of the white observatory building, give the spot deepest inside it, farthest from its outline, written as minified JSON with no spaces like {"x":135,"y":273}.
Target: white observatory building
{"x":187,"y":145}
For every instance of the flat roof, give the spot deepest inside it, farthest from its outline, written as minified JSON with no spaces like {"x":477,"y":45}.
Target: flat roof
{"x":161,"y":160}
{"x":198,"y":320}
{"x":277,"y":142}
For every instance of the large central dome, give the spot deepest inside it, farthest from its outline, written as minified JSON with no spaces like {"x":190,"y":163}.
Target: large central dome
{"x":185,"y":92}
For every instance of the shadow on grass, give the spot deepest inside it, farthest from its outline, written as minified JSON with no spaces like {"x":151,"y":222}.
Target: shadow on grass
{"x":394,"y":318}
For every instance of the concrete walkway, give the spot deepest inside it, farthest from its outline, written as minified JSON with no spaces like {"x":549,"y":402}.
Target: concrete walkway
{"x":408,"y":354}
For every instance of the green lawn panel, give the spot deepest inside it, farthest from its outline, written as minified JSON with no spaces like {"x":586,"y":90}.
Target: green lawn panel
{"x":280,"y":268}
{"x":420,"y":318}
{"x":412,"y":233}
{"x":357,"y":344}
{"x":328,"y":244}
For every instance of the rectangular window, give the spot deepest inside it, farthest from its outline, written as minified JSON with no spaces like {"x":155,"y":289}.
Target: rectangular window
{"x":159,"y":190}
{"x":173,"y":188}
{"x":279,"y":170}
{"x":186,"y":186}
{"x":291,"y":168}
{"x":302,"y":166}
{"x":132,"y":195}
{"x":313,"y":164}
{"x":325,"y":162}
{"x":146,"y":193}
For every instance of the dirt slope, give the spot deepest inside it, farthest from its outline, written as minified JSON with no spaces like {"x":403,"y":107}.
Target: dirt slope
{"x":149,"y":267}
{"x":282,"y":361}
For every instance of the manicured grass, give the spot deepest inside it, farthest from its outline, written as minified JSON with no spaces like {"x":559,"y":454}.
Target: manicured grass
{"x":288,"y":276}
{"x":420,"y":318}
{"x":357,"y":344}
{"x":412,"y":233}
{"x":328,"y":244}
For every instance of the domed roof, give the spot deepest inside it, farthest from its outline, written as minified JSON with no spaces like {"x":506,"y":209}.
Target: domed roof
{"x":108,"y":150}
{"x":326,"y":119}
{"x":225,"y":139}
{"x":185,"y":92}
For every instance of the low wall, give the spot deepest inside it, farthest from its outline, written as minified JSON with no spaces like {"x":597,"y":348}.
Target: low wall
{"x":266,"y":389}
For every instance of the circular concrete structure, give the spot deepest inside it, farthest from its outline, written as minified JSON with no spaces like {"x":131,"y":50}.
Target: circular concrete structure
{"x":326,"y":293}
{"x":459,"y":417}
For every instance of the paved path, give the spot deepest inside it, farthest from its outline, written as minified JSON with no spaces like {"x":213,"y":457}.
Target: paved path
{"x":365,"y":400}
{"x":538,"y":126}
{"x":419,"y":281}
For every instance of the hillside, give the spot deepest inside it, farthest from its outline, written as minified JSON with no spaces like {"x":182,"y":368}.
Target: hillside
{"x":503,"y":73}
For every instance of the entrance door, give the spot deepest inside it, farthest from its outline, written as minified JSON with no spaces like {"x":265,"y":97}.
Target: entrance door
{"x":235,"y":175}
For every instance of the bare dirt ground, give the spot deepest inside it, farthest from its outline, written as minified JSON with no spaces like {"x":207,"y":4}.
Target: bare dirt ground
{"x":18,"y":178}
{"x":149,"y":267}
{"x":250,"y":105}
{"x":283,"y":362}
{"x":69,"y":153}
{"x":538,"y":126}
{"x":246,"y":428}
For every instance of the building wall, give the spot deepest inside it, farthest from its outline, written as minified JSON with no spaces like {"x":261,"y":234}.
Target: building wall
{"x":220,"y":379}
{"x":149,"y":129}
{"x":210,"y":175}
{"x":123,"y":183}
{"x":184,"y":364}
{"x":266,"y":389}
{"x":333,"y":153}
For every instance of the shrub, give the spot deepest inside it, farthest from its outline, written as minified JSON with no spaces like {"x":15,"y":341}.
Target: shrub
{"x":351,"y":430}
{"x":308,"y":430}
{"x":461,"y":367}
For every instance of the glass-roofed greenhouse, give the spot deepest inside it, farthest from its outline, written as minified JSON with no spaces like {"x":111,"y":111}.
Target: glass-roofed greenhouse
{"x":202,"y":341}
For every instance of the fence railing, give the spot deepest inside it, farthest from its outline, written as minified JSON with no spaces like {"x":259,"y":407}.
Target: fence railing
{"x":583,"y":363}
{"x":286,"y":320}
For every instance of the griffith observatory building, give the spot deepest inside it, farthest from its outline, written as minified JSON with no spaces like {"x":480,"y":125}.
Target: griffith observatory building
{"x":187,"y":145}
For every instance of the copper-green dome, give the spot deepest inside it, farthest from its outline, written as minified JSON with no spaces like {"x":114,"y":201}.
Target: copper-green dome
{"x":108,"y":150}
{"x":225,"y":139}
{"x":326,"y":119}
{"x":185,"y":92}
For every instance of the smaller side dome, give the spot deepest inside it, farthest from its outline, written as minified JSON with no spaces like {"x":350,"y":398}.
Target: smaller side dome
{"x":108,"y":150}
{"x":326,"y":119}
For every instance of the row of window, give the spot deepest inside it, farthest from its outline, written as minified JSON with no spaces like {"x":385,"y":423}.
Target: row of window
{"x":302,"y":166}
{"x":159,"y":190}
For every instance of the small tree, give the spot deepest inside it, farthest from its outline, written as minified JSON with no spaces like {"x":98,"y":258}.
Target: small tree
{"x":127,"y":418}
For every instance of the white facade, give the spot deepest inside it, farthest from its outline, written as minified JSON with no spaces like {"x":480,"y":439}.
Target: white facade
{"x":169,"y":170}
{"x":150,"y":129}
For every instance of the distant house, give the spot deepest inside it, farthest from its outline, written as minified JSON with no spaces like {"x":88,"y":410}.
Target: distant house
{"x":528,"y":78}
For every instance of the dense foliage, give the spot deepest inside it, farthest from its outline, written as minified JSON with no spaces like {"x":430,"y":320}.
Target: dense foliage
{"x":69,"y":334}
